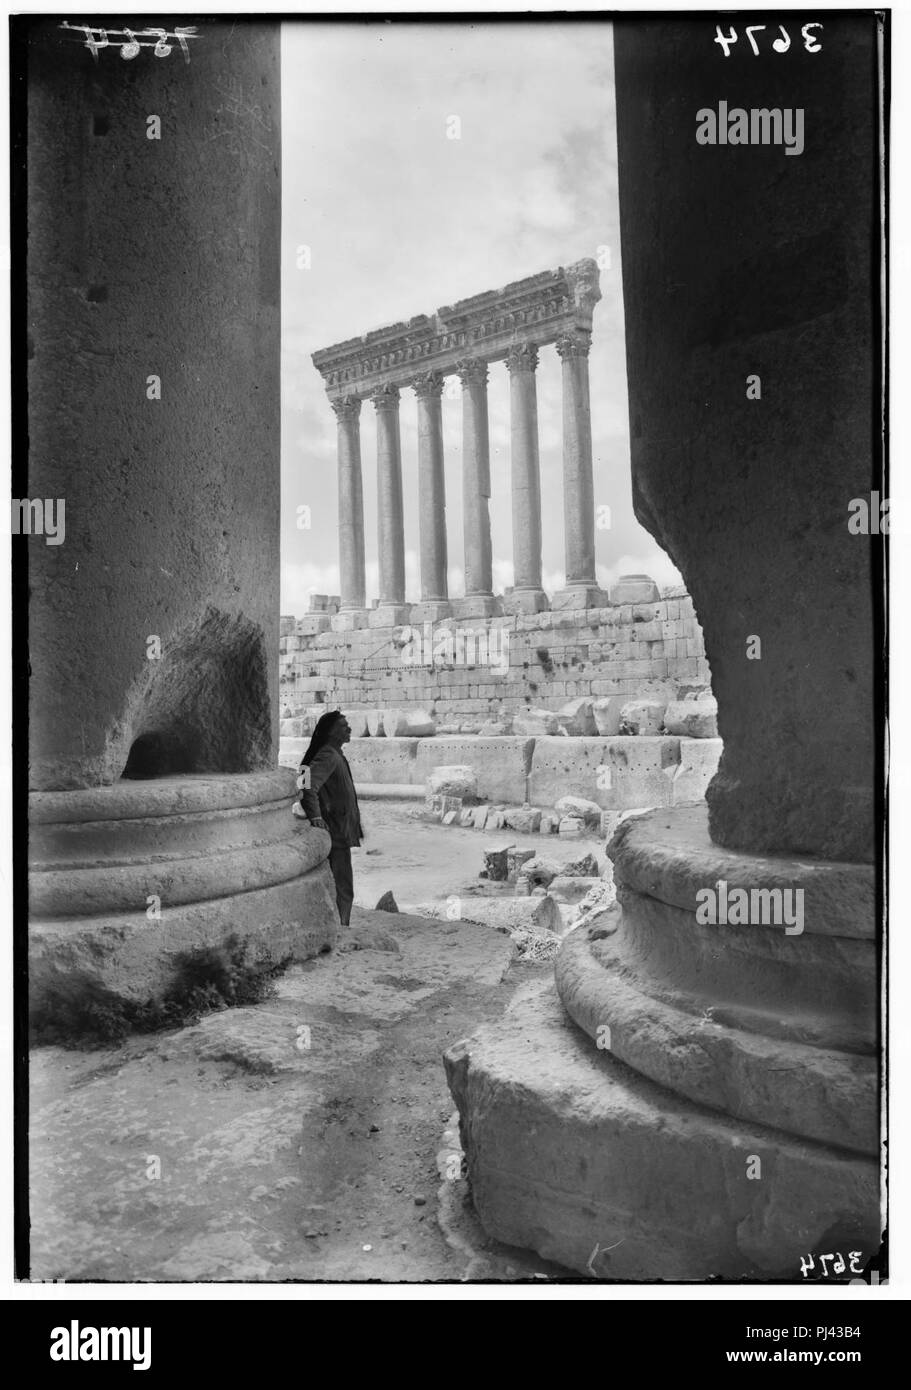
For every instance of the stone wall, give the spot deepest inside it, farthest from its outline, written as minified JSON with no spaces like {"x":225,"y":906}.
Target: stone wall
{"x":469,"y":673}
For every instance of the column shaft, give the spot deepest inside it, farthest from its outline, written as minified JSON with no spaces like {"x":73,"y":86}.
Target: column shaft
{"x":390,"y":517}
{"x":431,"y":489}
{"x":350,"y":503}
{"x":522,"y":362}
{"x":578,"y":484}
{"x":476,"y":486}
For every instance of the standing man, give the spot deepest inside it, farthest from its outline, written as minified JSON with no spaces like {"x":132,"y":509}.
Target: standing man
{"x":329,"y":801}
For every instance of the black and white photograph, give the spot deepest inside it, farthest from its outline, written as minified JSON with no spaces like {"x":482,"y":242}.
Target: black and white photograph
{"x":450,"y":523}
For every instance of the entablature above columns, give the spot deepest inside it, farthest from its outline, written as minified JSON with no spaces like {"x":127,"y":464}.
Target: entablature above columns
{"x":542,"y":309}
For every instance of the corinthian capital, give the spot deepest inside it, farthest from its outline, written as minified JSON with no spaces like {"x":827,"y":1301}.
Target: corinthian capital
{"x":522,"y":357}
{"x":472,"y":371}
{"x":584,"y":281}
{"x":427,"y":385}
{"x":386,"y":398}
{"x":347,"y":408}
{"x":574,"y":345}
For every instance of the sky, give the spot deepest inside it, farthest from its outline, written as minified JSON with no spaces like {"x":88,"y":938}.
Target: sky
{"x":398,"y":219}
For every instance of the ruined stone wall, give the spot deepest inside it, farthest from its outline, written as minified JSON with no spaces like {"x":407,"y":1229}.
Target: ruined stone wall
{"x":500,"y":666}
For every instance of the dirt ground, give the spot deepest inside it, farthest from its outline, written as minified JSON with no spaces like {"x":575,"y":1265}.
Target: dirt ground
{"x":309,"y":1137}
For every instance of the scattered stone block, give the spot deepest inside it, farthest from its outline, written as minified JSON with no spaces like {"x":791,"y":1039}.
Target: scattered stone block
{"x":571,"y":827}
{"x":515,"y":858}
{"x":495,"y":728}
{"x":539,"y":871}
{"x":469,"y":728}
{"x":496,"y":863}
{"x":577,"y":719}
{"x":387,"y":903}
{"x":606,"y":714}
{"x":539,"y":915}
{"x":694,"y":717}
{"x":635,"y":588}
{"x":358,"y":721}
{"x":698,"y":764}
{"x":450,"y":817}
{"x":642,"y":718}
{"x":479,"y":817}
{"x":566,"y":888}
{"x":456,"y":780}
{"x":524,"y":818}
{"x":535,"y":723}
{"x":549,"y":824}
{"x":466,"y":817}
{"x":375,"y":723}
{"x":589,"y":811}
{"x":586,"y":867}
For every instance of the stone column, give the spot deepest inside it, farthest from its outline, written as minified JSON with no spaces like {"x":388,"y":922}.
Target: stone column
{"x":527,"y":596}
{"x":390,"y":518}
{"x":581,"y":589}
{"x":353,"y":610}
{"x":154,"y":624}
{"x":431,"y":501}
{"x":479,"y":600}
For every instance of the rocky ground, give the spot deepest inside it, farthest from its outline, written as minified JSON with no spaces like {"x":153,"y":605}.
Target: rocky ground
{"x":307,"y":1137}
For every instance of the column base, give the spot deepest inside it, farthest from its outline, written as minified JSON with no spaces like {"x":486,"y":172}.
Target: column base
{"x":477,"y":606}
{"x":525,"y":601}
{"x":347,"y":619}
{"x":389,"y":615}
{"x":579,"y":596}
{"x":126,"y":879}
{"x":431,"y":610}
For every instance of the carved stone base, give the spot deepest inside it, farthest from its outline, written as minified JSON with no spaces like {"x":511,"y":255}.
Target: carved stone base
{"x":714,"y":1110}
{"x":476,"y":606}
{"x":347,"y":619}
{"x":431,"y":610}
{"x":124,"y":880}
{"x":525,"y":601}
{"x":389,"y":615}
{"x":579,"y":596}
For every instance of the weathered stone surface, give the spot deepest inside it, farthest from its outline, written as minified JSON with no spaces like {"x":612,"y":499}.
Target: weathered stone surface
{"x":643,"y":718}
{"x":549,"y":824}
{"x":515,"y":859}
{"x":698,"y":765}
{"x":455,"y":780}
{"x":408,"y":723}
{"x":635,"y":588}
{"x":500,"y":764}
{"x":571,"y":827}
{"x":387,"y":903}
{"x":570,"y":888}
{"x":127,"y":879}
{"x":576,"y":718}
{"x":606,"y":714}
{"x":538,"y":871}
{"x":789,"y":778}
{"x":375,"y":725}
{"x":534,"y":722}
{"x":585,"y":867}
{"x":589,"y":811}
{"x":533,"y":914}
{"x":523,"y":818}
{"x":479,"y":817}
{"x":496,"y":863}
{"x":383,"y":760}
{"x":692,"y":717}
{"x":574,"y":1155}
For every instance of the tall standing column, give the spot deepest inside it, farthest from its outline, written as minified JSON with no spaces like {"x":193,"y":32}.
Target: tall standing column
{"x":527,"y":596}
{"x":479,"y":600}
{"x":353,"y":611}
{"x":581,"y":589}
{"x":390,"y":518}
{"x":434,"y":604}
